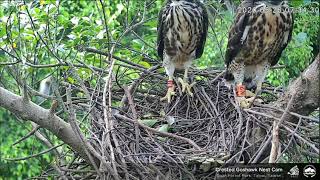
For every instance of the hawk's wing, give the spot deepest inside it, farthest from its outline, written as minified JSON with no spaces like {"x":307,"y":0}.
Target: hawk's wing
{"x":160,"y":43}
{"x":285,"y":42}
{"x":201,"y":43}
{"x":237,"y":30}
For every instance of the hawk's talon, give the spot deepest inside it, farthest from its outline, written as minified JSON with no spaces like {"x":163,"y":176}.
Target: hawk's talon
{"x":243,"y":102}
{"x":170,"y":92}
{"x":186,"y":86}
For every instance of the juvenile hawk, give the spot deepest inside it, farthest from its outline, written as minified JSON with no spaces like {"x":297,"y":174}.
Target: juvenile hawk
{"x":182,"y":31}
{"x":261,"y":31}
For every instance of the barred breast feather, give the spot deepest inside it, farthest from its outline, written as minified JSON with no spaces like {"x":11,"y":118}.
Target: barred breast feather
{"x":182,"y":30}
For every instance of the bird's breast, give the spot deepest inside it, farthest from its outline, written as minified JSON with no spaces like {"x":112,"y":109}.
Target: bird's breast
{"x":269,"y":30}
{"x":182,"y":28}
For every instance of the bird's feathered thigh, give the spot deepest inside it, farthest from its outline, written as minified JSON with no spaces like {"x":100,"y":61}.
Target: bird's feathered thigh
{"x":182,"y":31}
{"x":259,"y":35}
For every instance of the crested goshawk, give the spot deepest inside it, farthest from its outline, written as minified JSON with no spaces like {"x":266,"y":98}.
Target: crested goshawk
{"x":261,"y":31}
{"x":182,"y":31}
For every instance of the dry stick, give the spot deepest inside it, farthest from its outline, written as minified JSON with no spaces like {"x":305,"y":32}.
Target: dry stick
{"x":244,"y":139}
{"x":119,"y":151}
{"x":9,"y":63}
{"x":27,"y":135}
{"x":85,"y":89}
{"x":77,"y":170}
{"x":36,"y":93}
{"x":75,"y":127}
{"x":275,"y":133}
{"x":114,"y":171}
{"x":134,"y":113}
{"x":165,"y":134}
{"x":288,"y":129}
{"x":96,"y":51}
{"x":56,"y":153}
{"x":107,"y":109}
{"x":303,"y":139}
{"x":217,"y":114}
{"x":237,"y":154}
{"x":291,"y":113}
{"x":218,"y":76}
{"x":262,"y":149}
{"x":123,"y":162}
{"x":137,"y":81}
{"x":240,"y":116}
{"x":35,"y":155}
{"x":107,"y":119}
{"x":289,"y":143}
{"x":132,"y":64}
{"x":274,"y":143}
{"x":65,"y":64}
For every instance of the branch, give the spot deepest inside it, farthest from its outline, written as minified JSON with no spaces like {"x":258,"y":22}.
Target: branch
{"x":305,"y":93}
{"x":275,"y":134}
{"x":35,"y":155}
{"x":30,"y":111}
{"x":164,"y":134}
{"x":27,"y":135}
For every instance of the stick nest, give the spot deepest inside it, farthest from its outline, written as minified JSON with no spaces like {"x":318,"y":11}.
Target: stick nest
{"x":144,"y":138}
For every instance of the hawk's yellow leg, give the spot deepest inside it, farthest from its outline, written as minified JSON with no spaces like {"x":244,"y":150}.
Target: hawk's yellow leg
{"x":184,"y":83}
{"x":170,"y":91}
{"x":252,"y":96}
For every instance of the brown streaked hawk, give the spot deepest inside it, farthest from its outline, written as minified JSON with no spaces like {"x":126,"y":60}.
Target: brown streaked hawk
{"x":182,"y":31}
{"x":261,"y":31}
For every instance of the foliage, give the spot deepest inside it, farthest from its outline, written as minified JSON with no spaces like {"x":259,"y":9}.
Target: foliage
{"x":58,"y":28}
{"x":300,"y":50}
{"x":10,"y":132}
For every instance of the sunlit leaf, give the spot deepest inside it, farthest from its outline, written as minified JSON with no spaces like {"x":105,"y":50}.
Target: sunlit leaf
{"x":149,"y":122}
{"x":164,"y":128}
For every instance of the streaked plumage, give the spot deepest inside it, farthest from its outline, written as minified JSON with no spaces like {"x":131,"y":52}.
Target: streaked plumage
{"x":182,"y":31}
{"x":261,"y":31}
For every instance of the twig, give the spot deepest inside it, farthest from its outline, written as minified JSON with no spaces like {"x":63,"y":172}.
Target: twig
{"x":27,"y":135}
{"x":135,"y":116}
{"x":35,"y":155}
{"x":275,"y":133}
{"x":312,"y":145}
{"x":165,"y":134}
{"x":75,"y":127}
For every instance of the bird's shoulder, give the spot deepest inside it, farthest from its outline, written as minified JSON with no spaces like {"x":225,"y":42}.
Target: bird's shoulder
{"x":236,"y":31}
{"x":259,"y":33}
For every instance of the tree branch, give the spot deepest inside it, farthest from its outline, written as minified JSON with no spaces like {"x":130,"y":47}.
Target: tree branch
{"x":305,"y":93}
{"x":30,"y":111}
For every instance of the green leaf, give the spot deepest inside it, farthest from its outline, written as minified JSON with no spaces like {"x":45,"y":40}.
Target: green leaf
{"x":145,"y":64}
{"x":149,"y":122}
{"x":164,"y":128}
{"x":71,"y":80}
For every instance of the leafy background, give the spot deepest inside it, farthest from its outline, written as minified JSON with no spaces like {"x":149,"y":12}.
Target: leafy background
{"x":67,"y":24}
